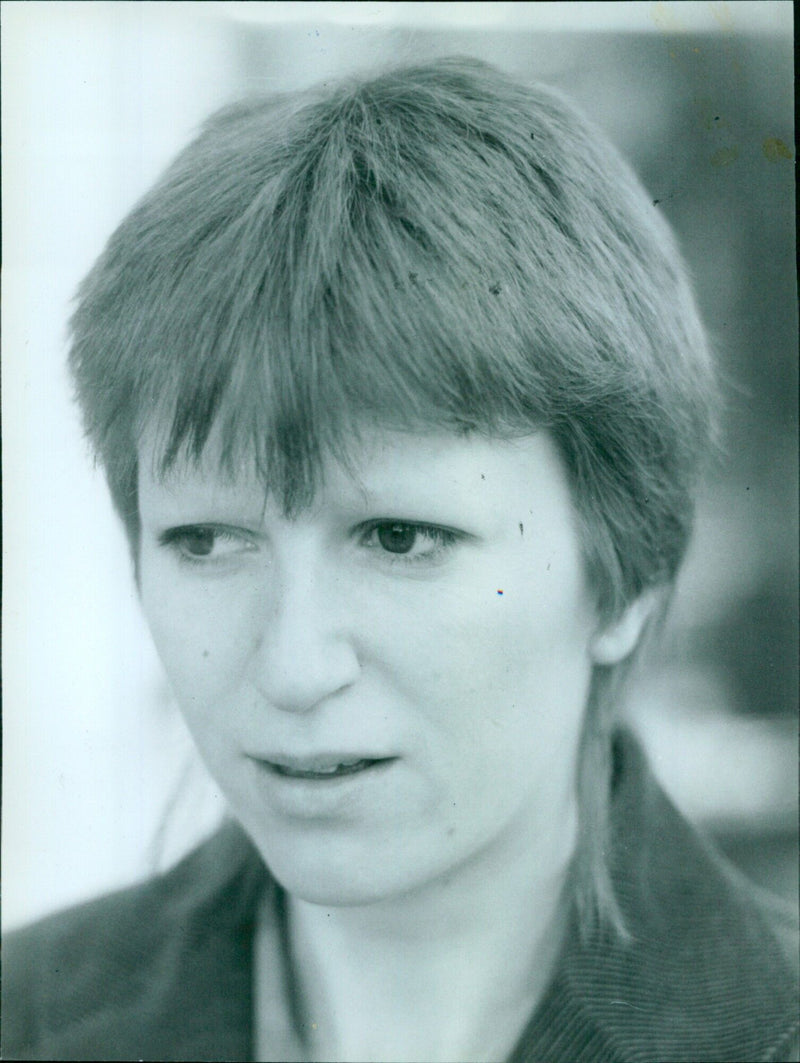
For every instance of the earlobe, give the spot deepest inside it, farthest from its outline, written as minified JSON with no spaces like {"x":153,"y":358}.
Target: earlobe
{"x":618,"y":639}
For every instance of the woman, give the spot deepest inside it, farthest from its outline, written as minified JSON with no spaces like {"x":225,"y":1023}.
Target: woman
{"x":399,"y":388}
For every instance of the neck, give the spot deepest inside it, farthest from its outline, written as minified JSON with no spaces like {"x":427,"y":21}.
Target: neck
{"x":467,"y":956}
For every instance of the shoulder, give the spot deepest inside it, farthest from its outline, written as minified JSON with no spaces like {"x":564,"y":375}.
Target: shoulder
{"x":711,"y":968}
{"x":105,"y":979}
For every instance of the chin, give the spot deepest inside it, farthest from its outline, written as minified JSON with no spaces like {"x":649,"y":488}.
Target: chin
{"x":339,"y":876}
{"x":334,"y":887}
{"x":333,"y":895}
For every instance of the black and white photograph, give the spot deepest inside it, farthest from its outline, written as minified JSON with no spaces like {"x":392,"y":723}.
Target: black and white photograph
{"x":400,"y":524}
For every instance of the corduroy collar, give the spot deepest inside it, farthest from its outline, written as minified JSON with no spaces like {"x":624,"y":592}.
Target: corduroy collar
{"x":704,"y":976}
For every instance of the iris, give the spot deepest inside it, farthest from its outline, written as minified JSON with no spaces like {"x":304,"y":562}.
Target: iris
{"x":397,"y":538}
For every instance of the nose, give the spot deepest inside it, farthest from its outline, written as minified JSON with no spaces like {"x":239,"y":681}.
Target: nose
{"x":305,"y":651}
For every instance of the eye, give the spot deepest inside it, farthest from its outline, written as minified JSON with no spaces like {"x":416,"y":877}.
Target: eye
{"x":412,"y":542}
{"x":205,"y":543}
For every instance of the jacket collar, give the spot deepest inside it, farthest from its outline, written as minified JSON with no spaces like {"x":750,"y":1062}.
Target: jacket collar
{"x":704,"y":975}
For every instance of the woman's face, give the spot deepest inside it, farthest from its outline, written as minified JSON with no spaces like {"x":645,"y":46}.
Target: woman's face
{"x":391,"y":686}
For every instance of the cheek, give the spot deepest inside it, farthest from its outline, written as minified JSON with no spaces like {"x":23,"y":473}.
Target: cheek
{"x":201,"y":640}
{"x":508,"y":680}
{"x":471,"y":659}
{"x":521,"y":621}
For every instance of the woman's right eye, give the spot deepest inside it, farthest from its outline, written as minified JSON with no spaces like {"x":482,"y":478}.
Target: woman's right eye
{"x":205,"y":543}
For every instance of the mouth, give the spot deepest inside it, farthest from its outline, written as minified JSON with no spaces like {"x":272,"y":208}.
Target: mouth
{"x":325,"y":769}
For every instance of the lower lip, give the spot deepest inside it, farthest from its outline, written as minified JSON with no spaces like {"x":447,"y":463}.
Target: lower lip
{"x":312,"y":794}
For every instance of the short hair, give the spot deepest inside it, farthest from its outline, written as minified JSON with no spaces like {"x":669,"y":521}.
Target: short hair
{"x":438,"y":246}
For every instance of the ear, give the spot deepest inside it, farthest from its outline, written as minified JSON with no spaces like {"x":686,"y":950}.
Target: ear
{"x":618,"y":639}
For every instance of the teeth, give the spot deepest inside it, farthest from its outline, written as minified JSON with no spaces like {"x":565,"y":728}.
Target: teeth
{"x":314,"y":773}
{"x":336,"y":767}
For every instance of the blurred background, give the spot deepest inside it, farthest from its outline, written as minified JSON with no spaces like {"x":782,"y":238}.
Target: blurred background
{"x":99,"y":784}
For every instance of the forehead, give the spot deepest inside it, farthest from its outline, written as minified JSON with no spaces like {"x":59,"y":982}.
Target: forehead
{"x":385,"y":465}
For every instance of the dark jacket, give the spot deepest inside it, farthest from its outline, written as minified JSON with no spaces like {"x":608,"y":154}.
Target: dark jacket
{"x":163,"y":971}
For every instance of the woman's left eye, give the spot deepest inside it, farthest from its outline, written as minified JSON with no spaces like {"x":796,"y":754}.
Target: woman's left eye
{"x":412,"y":542}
